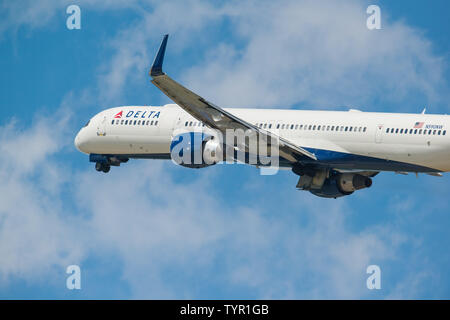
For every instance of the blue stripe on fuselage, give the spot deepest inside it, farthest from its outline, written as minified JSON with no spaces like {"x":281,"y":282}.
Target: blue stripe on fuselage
{"x":341,"y":160}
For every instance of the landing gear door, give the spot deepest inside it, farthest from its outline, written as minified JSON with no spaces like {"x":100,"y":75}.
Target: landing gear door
{"x":379,"y":133}
{"x":101,"y":127}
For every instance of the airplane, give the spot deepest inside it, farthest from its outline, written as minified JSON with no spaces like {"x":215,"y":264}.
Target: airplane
{"x":335,"y":153}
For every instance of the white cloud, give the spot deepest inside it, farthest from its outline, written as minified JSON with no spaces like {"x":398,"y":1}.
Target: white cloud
{"x":36,"y":234}
{"x":298,"y":52}
{"x":157,"y":225}
{"x":319,"y":54}
{"x":301,"y":52}
{"x":37,"y":14}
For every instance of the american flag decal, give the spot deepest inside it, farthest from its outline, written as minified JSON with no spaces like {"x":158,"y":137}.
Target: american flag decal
{"x":418,"y":125}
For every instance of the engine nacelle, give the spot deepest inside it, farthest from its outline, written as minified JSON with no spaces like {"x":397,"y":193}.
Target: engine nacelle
{"x":329,"y":189}
{"x":350,"y":182}
{"x":195,"y":150}
{"x":212,"y":151}
{"x":331,"y":184}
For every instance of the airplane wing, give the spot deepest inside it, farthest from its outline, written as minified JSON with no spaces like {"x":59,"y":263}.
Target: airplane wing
{"x":214,"y":116}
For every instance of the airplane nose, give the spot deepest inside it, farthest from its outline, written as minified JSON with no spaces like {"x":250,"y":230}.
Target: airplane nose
{"x":76,"y":142}
{"x":80,"y":141}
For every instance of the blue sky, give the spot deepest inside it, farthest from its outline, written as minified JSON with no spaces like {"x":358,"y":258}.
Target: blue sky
{"x":150,"y":229}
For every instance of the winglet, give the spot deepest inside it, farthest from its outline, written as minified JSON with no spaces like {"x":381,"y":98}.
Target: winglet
{"x":156,"y":69}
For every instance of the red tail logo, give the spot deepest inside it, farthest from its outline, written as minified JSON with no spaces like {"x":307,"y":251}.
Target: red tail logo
{"x":119,"y":115}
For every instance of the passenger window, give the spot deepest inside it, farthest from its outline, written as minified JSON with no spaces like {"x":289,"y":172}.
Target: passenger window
{"x":151,"y":123}
{"x":401,"y":131}
{"x":350,"y":129}
{"x":156,"y":123}
{"x":410,"y":131}
{"x":415,"y":131}
{"x":278,"y":126}
{"x":270,"y":125}
{"x":420,"y":131}
{"x":309,"y":127}
{"x":444,"y":132}
{"x":318,"y":127}
{"x":439,"y":132}
{"x":126,"y":121}
{"x":292,"y":126}
{"x":121,"y":122}
{"x":112,"y":122}
{"x":364,"y":130}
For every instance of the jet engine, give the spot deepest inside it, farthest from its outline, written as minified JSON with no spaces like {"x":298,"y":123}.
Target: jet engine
{"x":212,"y":151}
{"x":196,"y":150}
{"x":350,"y":182}
{"x":331,"y":184}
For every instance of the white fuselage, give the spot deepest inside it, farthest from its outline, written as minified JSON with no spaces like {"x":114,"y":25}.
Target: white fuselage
{"x":420,"y":140}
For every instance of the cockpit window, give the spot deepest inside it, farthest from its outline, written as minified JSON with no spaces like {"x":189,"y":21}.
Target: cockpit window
{"x":87,"y":123}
